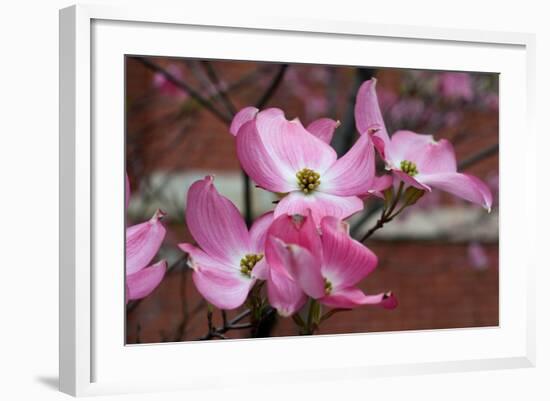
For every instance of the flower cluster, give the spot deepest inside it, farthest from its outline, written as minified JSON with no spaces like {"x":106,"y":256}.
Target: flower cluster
{"x":302,"y":250}
{"x":301,"y":253}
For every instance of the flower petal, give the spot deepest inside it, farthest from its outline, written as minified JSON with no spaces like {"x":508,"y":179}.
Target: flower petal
{"x":464,"y":186}
{"x":284,"y":293}
{"x":323,"y":128}
{"x":379,"y":185}
{"x":290,"y":143}
{"x":260,"y":164}
{"x":368,"y":116}
{"x":406,"y":145}
{"x":242,"y":117}
{"x":412,"y":181}
{"x":321,"y":205}
{"x":353,"y":173}
{"x":436,"y":157}
{"x":223,"y":289}
{"x":350,"y":298}
{"x":220,"y":284}
{"x":346,"y":261}
{"x":302,"y":265}
{"x":298,"y":229}
{"x":258,"y":232}
{"x":215,"y":223}
{"x":143,"y":242}
{"x":141,"y":283}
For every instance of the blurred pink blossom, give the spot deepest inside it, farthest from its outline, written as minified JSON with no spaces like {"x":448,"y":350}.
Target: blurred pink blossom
{"x":456,"y":86}
{"x":477,"y":256}
{"x":164,"y":86}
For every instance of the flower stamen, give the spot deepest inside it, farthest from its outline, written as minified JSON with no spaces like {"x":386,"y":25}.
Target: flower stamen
{"x":328,"y":287}
{"x":308,"y":180}
{"x":409,"y":168}
{"x":248,"y":262}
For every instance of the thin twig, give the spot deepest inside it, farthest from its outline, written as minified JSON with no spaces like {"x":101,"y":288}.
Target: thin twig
{"x":231,"y":325}
{"x":222,"y":95}
{"x":489,"y":151}
{"x":181,"y":84}
{"x":277,"y":79}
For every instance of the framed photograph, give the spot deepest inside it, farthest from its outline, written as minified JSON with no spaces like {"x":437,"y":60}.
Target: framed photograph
{"x":305,"y":199}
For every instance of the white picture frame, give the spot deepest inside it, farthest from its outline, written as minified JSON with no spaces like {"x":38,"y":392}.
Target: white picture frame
{"x":93,"y":357}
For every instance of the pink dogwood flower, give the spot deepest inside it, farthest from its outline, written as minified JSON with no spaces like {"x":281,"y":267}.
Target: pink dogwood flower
{"x":230,"y":257}
{"x":325,"y":265}
{"x":142,"y":244}
{"x":416,"y":159}
{"x":284,"y":157}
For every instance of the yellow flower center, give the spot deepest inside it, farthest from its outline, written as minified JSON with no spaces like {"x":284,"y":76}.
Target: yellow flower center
{"x":248,"y":262}
{"x":328,"y":287}
{"x":409,"y":168}
{"x":308,"y":180}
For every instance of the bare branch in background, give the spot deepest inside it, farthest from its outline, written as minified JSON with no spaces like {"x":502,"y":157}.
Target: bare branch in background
{"x":214,"y":332}
{"x":483,"y":154}
{"x":181,"y":84}
{"x":272,"y":88}
{"x":221,"y":94}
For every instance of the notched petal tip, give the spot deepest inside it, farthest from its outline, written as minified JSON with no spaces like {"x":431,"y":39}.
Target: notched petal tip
{"x":241,"y":118}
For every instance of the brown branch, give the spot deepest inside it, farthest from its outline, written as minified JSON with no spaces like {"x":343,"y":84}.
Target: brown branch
{"x":183,"y":85}
{"x":214,"y":332}
{"x":221,"y":94}
{"x":272,"y":88}
{"x":484,"y":153}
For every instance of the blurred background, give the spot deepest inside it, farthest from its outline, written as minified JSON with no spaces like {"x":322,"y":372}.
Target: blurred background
{"x":440,"y":257}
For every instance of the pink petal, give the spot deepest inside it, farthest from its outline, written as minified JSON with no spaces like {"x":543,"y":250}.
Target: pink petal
{"x":261,"y":270}
{"x":368,"y":116}
{"x":290,"y":143}
{"x":411,"y":181}
{"x":260,"y":164}
{"x":379,"y":185}
{"x":283,"y":293}
{"x":127,"y":190}
{"x":353,"y":173}
{"x":143,"y":242}
{"x":464,"y":186}
{"x":223,"y":289}
{"x":299,"y":230}
{"x":141,"y":283}
{"x":215,"y":223}
{"x":436,"y":157}
{"x":258,"y":231}
{"x":321,"y":205}
{"x":242,"y":117}
{"x":302,"y":265}
{"x":346,"y":261}
{"x":406,"y":145}
{"x":323,"y":128}
{"x":258,"y":234}
{"x":220,"y":284}
{"x":349,"y":298}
